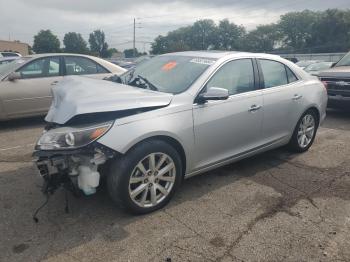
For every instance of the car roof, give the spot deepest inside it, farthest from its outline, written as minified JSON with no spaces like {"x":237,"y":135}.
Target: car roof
{"x":57,"y":54}
{"x":214,"y":54}
{"x":110,"y":66}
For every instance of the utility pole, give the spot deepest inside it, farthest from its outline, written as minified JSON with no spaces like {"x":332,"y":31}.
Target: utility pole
{"x":134,"y":40}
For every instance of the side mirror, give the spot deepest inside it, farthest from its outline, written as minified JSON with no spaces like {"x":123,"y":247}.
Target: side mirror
{"x":213,"y":93}
{"x":333,"y":64}
{"x":14,"y":76}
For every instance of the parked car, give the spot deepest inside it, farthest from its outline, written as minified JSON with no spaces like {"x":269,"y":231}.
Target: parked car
{"x":173,"y":117}
{"x":304,"y":63}
{"x":124,"y":64}
{"x":314,"y":69}
{"x":6,"y":60}
{"x":10,"y":54}
{"x":25,"y":83}
{"x":337,"y":80}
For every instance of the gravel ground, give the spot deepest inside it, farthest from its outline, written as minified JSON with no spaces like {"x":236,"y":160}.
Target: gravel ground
{"x":274,"y":207}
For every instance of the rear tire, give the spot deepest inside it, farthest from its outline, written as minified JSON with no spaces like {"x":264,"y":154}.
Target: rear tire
{"x":145,"y":179}
{"x":305,"y":132}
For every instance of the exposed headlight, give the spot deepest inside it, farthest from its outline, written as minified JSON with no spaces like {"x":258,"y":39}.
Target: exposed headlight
{"x":71,"y":137}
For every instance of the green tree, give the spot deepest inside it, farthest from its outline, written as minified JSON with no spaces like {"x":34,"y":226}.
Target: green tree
{"x":297,"y":29}
{"x":46,"y":42}
{"x":98,"y":45}
{"x":331,"y":32}
{"x":229,"y":36}
{"x":262,"y":39}
{"x":159,"y":45}
{"x":75,"y":43}
{"x":128,"y":53}
{"x":304,"y":31}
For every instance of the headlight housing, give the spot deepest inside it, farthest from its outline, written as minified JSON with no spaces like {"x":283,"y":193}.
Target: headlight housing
{"x":71,"y":137}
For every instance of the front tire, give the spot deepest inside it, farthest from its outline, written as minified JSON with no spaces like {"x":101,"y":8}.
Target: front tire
{"x":305,"y":132}
{"x":145,"y":178}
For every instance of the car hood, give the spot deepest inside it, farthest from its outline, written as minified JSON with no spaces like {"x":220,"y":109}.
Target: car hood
{"x":340,"y":71}
{"x":80,"y":95}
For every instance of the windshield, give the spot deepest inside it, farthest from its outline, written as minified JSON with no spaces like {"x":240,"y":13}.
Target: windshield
{"x":345,"y":61}
{"x":169,"y":73}
{"x":6,"y":69}
{"x":318,"y":66}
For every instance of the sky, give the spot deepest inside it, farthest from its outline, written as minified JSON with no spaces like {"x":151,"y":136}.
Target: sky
{"x":22,"y":19}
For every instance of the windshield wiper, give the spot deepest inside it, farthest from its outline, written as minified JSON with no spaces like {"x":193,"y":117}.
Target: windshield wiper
{"x":149,"y":84}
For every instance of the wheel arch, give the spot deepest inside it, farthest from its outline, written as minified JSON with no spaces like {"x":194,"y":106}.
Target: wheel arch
{"x":316,"y":110}
{"x":169,"y":140}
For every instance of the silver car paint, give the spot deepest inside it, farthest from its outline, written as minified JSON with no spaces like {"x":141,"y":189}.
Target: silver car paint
{"x":77,"y":95}
{"x":217,"y":138}
{"x":220,"y":132}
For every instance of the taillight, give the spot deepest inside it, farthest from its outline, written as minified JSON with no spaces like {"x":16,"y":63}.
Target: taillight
{"x":325,"y":84}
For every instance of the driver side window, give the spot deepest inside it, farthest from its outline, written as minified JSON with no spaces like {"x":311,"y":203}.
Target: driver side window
{"x":236,"y":76}
{"x":33,"y":69}
{"x":43,"y":67}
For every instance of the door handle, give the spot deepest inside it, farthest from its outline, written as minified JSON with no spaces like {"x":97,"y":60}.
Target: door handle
{"x":254,"y":108}
{"x":297,"y":97}
{"x":54,"y":83}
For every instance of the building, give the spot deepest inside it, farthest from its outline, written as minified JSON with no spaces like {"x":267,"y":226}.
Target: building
{"x":14,"y":46}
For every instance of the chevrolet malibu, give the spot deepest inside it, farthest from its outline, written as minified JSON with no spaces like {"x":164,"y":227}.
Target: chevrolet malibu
{"x":173,"y":117}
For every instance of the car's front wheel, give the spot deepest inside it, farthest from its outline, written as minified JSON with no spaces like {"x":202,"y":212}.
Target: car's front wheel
{"x":145,"y":179}
{"x":305,"y":132}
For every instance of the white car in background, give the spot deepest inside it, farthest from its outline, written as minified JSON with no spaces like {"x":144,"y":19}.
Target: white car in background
{"x":25,"y":83}
{"x":6,"y":60}
{"x":9,"y":54}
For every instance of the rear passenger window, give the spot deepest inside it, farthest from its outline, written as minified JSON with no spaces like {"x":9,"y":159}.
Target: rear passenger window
{"x":274,"y":73}
{"x":82,"y":66}
{"x":291,"y":76}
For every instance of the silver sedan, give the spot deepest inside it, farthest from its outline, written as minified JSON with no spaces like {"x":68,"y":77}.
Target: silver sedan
{"x":172,"y":117}
{"x":25,"y":83}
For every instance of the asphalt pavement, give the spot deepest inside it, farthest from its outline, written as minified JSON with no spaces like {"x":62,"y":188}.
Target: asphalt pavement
{"x":276,"y":206}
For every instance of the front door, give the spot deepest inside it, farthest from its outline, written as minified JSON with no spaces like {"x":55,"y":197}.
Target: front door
{"x":31,"y":94}
{"x":227,"y":128}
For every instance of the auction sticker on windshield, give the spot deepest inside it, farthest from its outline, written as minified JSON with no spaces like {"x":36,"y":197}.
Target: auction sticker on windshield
{"x":168,"y":66}
{"x":202,"y":61}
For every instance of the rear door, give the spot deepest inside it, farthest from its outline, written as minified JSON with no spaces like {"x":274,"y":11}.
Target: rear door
{"x":31,"y":94}
{"x":282,"y":94}
{"x":227,"y":128}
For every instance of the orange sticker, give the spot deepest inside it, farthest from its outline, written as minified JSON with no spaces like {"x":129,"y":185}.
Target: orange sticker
{"x":169,"y":66}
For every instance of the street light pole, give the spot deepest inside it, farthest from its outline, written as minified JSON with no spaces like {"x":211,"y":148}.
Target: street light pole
{"x":134,"y":48}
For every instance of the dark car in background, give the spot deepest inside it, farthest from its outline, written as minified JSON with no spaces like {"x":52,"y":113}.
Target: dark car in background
{"x":337,"y":80}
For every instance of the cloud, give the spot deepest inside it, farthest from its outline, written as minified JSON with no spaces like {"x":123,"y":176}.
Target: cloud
{"x":21,"y":19}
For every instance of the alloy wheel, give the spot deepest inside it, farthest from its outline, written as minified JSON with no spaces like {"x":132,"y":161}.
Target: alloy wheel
{"x":152,"y":180}
{"x":306,"y":130}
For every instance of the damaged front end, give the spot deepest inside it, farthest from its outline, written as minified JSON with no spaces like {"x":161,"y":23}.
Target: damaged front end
{"x":71,"y":157}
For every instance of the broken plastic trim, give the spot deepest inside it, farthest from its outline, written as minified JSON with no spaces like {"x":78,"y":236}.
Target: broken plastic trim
{"x":103,"y":116}
{"x":61,"y":177}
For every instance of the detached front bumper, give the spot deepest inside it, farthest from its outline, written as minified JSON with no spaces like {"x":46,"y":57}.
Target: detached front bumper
{"x":77,"y":169}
